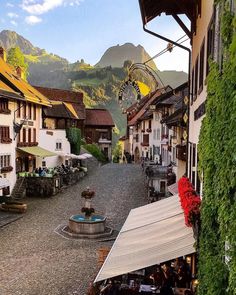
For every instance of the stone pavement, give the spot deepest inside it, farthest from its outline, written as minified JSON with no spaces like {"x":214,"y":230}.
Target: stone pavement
{"x":34,"y":260}
{"x":8,"y":217}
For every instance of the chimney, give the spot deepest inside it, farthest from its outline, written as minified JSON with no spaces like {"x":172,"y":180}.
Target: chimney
{"x":3,"y":54}
{"x":19,"y":72}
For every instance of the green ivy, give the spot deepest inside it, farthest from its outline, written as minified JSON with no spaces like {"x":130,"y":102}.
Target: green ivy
{"x":73,"y":135}
{"x":217,"y":155}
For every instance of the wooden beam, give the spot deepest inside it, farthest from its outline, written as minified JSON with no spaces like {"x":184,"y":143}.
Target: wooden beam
{"x":182,"y":25}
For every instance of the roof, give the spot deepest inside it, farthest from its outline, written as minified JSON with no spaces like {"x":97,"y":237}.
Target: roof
{"x":152,"y":234}
{"x":10,"y":94}
{"x":147,"y":102}
{"x":98,"y":117}
{"x":9,"y":77}
{"x":72,"y":105}
{"x":59,"y":111}
{"x":61,"y":94}
{"x":151,"y":9}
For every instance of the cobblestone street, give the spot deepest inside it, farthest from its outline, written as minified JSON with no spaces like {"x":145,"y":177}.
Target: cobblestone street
{"x":34,"y":260}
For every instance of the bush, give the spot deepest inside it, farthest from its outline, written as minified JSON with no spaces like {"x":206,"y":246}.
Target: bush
{"x":96,"y":152}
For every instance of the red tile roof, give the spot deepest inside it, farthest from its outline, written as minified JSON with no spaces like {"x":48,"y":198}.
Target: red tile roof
{"x":98,"y":117}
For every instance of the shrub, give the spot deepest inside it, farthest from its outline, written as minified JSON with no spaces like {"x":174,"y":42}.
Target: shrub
{"x":96,"y":152}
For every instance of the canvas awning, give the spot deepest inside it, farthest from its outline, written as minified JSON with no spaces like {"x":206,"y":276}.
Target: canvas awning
{"x":37,"y":151}
{"x":4,"y":182}
{"x":151,"y":234}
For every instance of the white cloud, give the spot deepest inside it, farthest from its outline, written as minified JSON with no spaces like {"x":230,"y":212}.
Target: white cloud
{"x":32,"y":20}
{"x":12,"y":15}
{"x":38,"y":7}
{"x":9,"y":4}
{"x":14,"y":23}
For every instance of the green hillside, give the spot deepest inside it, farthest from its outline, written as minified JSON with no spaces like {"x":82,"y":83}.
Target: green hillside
{"x":100,"y":84}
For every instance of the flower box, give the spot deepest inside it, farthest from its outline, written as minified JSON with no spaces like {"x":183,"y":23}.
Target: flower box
{"x":6,"y":169}
{"x":5,"y":111}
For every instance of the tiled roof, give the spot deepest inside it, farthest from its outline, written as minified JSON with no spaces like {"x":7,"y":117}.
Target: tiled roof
{"x":98,"y":117}
{"x":61,"y":94}
{"x":69,"y":98}
{"x":148,"y":100}
{"x":58,"y":111}
{"x":9,"y":77}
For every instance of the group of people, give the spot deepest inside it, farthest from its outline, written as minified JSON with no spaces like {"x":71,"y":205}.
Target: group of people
{"x":164,"y":278}
{"x":41,"y":171}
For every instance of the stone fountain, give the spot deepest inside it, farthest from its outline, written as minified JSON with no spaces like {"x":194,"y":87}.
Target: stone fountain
{"x":88,"y":224}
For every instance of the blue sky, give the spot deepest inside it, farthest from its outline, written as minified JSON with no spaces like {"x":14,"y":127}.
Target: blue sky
{"x":77,"y":29}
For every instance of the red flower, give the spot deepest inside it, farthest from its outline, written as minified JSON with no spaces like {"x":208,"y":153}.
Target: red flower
{"x":190,"y":201}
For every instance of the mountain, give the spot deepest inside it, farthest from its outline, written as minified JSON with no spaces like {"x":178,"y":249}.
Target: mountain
{"x":100,"y":84}
{"x":9,"y":39}
{"x":116,"y":55}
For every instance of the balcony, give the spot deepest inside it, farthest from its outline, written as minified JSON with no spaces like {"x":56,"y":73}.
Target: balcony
{"x":181,"y":153}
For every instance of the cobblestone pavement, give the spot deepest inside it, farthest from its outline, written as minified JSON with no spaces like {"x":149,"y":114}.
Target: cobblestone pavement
{"x":34,"y":260}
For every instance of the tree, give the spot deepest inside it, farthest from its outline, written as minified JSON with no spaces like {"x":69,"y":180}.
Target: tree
{"x":16,"y":58}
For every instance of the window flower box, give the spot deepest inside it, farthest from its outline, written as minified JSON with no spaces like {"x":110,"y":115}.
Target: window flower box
{"x":6,"y":140}
{"x":143,"y":130}
{"x":6,"y":169}
{"x":5,"y":111}
{"x":149,"y":130}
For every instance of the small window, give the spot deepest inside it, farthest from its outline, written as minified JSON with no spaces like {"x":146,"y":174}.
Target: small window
{"x":58,"y":146}
{"x":202,"y":62}
{"x":43,"y":163}
{"x":196,"y":79}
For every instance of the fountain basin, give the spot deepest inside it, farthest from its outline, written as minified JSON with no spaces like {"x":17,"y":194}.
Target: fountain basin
{"x":94,"y":224}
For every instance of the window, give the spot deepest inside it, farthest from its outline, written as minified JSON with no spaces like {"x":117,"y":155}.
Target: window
{"x":29,"y":135}
{"x":143,"y":125}
{"x":24,"y":135}
{"x":157,"y":117}
{"x":192,"y":86}
{"x":4,"y":133}
{"x":5,"y":161}
{"x":202,"y":62}
{"x":18,"y":109}
{"x":43,"y":163}
{"x":24,"y":111}
{"x":29,"y":110}
{"x":162,"y":187}
{"x":150,"y":124}
{"x":196,"y":79}
{"x":210,"y":43}
{"x":34,"y":112}
{"x":146,"y":138}
{"x":58,"y":145}
{"x":34,"y":135}
{"x":3,"y":104}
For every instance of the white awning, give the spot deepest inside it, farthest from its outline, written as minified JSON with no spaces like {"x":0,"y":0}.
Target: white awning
{"x":4,"y":182}
{"x":87,"y":155}
{"x":151,"y":234}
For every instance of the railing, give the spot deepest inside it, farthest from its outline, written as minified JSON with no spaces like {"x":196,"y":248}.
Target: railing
{"x":157,"y":171}
{"x":181,"y":152}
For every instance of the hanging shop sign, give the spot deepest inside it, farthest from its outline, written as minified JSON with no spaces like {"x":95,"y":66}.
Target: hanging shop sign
{"x":128,"y":93}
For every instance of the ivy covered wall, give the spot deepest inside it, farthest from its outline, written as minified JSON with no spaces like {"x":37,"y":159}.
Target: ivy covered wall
{"x":217,"y":155}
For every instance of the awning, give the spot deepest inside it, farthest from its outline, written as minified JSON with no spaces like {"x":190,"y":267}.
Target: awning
{"x":37,"y":151}
{"x":4,"y":182}
{"x":173,"y":189}
{"x":87,"y":155}
{"x":151,"y":234}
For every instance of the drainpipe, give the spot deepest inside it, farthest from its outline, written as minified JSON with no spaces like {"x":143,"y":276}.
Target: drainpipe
{"x":189,"y":66}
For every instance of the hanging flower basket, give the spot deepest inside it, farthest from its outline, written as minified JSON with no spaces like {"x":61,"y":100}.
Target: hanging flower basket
{"x":190,"y":201}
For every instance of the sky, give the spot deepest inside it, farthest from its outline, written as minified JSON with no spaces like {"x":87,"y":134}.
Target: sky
{"x":85,"y":29}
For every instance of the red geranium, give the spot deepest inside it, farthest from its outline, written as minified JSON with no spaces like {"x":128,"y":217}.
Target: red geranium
{"x":189,"y":200}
